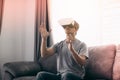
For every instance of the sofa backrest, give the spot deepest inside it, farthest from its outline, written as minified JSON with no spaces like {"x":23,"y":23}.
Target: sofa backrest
{"x":99,"y":65}
{"x":116,"y":67}
{"x":100,"y":62}
{"x":49,"y":63}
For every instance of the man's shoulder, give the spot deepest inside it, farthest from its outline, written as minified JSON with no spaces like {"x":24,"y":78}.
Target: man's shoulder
{"x":77,"y":41}
{"x":81,"y":43}
{"x":60,"y":43}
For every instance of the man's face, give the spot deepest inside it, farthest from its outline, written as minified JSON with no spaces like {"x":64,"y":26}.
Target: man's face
{"x":70,"y":30}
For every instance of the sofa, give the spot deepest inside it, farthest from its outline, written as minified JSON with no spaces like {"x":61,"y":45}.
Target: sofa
{"x":103,"y":64}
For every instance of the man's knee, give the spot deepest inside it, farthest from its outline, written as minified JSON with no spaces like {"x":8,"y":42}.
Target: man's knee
{"x":70,"y":76}
{"x":41,"y":75}
{"x":66,"y":75}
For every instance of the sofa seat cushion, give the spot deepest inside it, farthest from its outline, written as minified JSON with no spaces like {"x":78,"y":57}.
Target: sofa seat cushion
{"x":18,"y":69}
{"x":25,"y":78}
{"x":100,"y":63}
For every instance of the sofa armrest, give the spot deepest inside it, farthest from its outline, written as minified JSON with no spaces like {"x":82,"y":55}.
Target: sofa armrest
{"x":18,"y":69}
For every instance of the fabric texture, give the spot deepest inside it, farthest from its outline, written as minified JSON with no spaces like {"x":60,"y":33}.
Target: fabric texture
{"x":65,"y":59}
{"x":42,"y":16}
{"x":7,"y":76}
{"x":100,"y":63}
{"x":26,"y":78}
{"x":116,"y":68}
{"x":43,"y":75}
{"x":49,"y":64}
{"x":18,"y":69}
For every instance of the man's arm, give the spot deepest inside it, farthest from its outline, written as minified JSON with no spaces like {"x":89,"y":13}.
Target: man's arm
{"x":44,"y":34}
{"x":44,"y":50}
{"x":80,"y":59}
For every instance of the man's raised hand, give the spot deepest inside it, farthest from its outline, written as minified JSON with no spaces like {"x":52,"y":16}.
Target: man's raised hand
{"x":43,"y":31}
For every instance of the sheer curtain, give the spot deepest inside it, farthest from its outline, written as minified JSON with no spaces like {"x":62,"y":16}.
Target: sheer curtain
{"x":98,"y":19}
{"x":42,"y":16}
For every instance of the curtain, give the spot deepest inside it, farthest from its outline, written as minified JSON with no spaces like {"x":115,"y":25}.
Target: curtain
{"x":1,"y":12}
{"x":42,"y":16}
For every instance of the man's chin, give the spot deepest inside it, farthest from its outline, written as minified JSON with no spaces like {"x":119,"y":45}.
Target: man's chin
{"x":67,"y":41}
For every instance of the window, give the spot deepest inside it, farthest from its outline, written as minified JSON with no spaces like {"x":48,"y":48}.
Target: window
{"x":110,"y":21}
{"x":98,"y":19}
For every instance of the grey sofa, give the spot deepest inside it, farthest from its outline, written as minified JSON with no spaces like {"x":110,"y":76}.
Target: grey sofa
{"x":27,"y":70}
{"x":99,"y":65}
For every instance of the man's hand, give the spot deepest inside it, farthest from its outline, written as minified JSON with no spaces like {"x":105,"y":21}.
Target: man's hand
{"x":70,"y":47}
{"x":80,"y":59}
{"x":43,"y":31}
{"x":69,"y":41}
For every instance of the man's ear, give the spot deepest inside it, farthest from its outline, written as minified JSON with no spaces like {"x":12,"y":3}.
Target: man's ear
{"x":76,"y":31}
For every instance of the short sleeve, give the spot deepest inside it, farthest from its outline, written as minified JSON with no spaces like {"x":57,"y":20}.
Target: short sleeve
{"x":55,"y":47}
{"x":83,"y":50}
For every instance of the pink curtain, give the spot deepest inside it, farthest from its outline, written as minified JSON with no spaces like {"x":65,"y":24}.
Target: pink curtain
{"x":1,"y":13}
{"x":42,"y":16}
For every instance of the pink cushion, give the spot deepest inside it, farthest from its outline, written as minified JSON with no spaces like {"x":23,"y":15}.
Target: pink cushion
{"x":116,"y":68}
{"x":100,"y":63}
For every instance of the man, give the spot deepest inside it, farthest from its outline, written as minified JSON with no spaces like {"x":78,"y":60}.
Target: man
{"x":71,"y":53}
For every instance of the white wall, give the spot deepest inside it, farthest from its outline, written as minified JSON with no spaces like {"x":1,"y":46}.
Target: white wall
{"x":17,"y":36}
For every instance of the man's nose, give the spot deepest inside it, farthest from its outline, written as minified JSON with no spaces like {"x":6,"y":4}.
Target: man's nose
{"x":67,"y":27}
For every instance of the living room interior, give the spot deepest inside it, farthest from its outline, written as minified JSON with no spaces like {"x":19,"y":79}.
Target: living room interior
{"x":98,"y":19}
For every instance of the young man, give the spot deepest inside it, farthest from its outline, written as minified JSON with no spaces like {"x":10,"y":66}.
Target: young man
{"x":71,"y":53}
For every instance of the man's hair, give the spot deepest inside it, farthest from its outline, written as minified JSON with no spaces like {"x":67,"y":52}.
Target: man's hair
{"x":76,"y":25}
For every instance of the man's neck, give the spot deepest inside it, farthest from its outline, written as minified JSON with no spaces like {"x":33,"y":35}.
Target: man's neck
{"x":68,"y":40}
